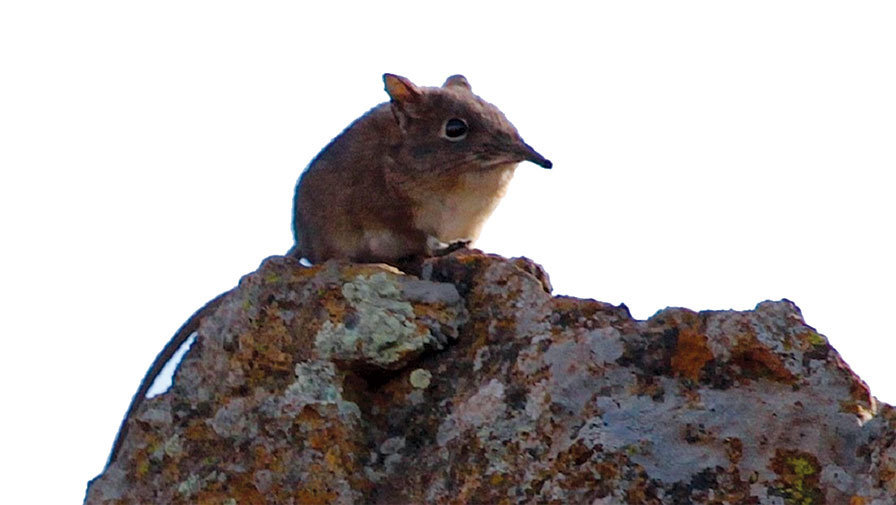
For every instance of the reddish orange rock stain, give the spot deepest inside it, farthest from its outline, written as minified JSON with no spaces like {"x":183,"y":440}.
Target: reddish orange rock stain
{"x":691,"y":351}
{"x":758,"y":360}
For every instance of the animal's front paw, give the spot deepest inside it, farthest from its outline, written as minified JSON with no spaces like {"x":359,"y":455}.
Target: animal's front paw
{"x":438,"y":248}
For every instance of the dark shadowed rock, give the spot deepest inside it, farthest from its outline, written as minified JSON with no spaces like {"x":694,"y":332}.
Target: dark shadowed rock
{"x":356,"y":384}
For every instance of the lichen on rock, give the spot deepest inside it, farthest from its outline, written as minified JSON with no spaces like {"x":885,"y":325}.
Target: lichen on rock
{"x":357,"y":384}
{"x":379,"y":327}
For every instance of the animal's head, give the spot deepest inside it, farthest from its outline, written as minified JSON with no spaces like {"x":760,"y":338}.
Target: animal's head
{"x":449,"y":129}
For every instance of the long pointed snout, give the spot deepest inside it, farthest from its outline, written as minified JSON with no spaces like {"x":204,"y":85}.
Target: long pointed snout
{"x":529,"y":154}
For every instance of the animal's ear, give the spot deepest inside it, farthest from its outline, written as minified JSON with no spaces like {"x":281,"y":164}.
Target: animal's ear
{"x":401,"y":89}
{"x":405,"y":97}
{"x":457,"y":81}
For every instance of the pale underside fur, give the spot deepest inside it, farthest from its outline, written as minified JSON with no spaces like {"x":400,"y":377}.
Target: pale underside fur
{"x":455,"y":214}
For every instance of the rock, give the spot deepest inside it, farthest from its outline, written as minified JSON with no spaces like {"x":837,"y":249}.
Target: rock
{"x":357,"y":384}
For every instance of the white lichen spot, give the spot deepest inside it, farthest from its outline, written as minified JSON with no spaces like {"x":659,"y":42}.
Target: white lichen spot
{"x":591,"y":433}
{"x":606,"y":345}
{"x":481,"y":409}
{"x":348,"y":410}
{"x":392,"y":445}
{"x":448,"y":431}
{"x":837,"y":477}
{"x":537,"y":399}
{"x":391,"y":461}
{"x":373,"y":475}
{"x":420,"y":378}
{"x":215,"y":476}
{"x":263,"y":480}
{"x":482,"y":355}
{"x":608,"y":500}
{"x":157,"y":416}
{"x":416,"y":397}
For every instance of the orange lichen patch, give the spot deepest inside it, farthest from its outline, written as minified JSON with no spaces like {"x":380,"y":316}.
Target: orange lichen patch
{"x":270,"y":350}
{"x":535,"y":270}
{"x":262,"y":457}
{"x":691,"y":350}
{"x":887,"y":475}
{"x":141,"y":464}
{"x":433,"y":311}
{"x":340,"y":459}
{"x":587,"y":472}
{"x":471,"y":488}
{"x":860,"y":392}
{"x":321,"y":431}
{"x":576,"y":455}
{"x":239,"y":486}
{"x":639,"y":492}
{"x":469,"y":258}
{"x":607,"y":470}
{"x":500,"y":330}
{"x":317,"y":489}
{"x":691,"y":354}
{"x":857,"y":500}
{"x":332,"y":438}
{"x":265,"y":351}
{"x":758,"y":361}
{"x":333,"y":303}
{"x":198,"y":430}
{"x":171,"y":471}
{"x":858,"y":409}
{"x":734,"y":449}
{"x":647,"y":385}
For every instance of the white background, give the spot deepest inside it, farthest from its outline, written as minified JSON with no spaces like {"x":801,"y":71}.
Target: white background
{"x":706,"y":154}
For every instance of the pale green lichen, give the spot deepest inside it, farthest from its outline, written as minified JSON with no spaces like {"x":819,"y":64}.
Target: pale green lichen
{"x":173,"y":446}
{"x":801,"y":466}
{"x":420,"y":378}
{"x":315,"y":383}
{"x":383,"y":331}
{"x":799,"y":488}
{"x":190,"y":486}
{"x":816,"y":339}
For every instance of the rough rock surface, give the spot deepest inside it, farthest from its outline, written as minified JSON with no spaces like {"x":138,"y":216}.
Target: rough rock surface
{"x":356,"y":384}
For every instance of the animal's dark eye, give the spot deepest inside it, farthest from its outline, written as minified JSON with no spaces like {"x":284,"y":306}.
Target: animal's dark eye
{"x":455,"y":129}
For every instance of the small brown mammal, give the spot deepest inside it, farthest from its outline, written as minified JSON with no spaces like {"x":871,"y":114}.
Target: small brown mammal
{"x":412,"y":175}
{"x":405,"y":180}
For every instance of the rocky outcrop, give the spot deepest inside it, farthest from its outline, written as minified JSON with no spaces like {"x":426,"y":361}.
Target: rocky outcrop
{"x":357,"y":384}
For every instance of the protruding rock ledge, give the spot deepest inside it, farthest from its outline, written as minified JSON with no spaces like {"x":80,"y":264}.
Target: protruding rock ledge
{"x":357,"y":384}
